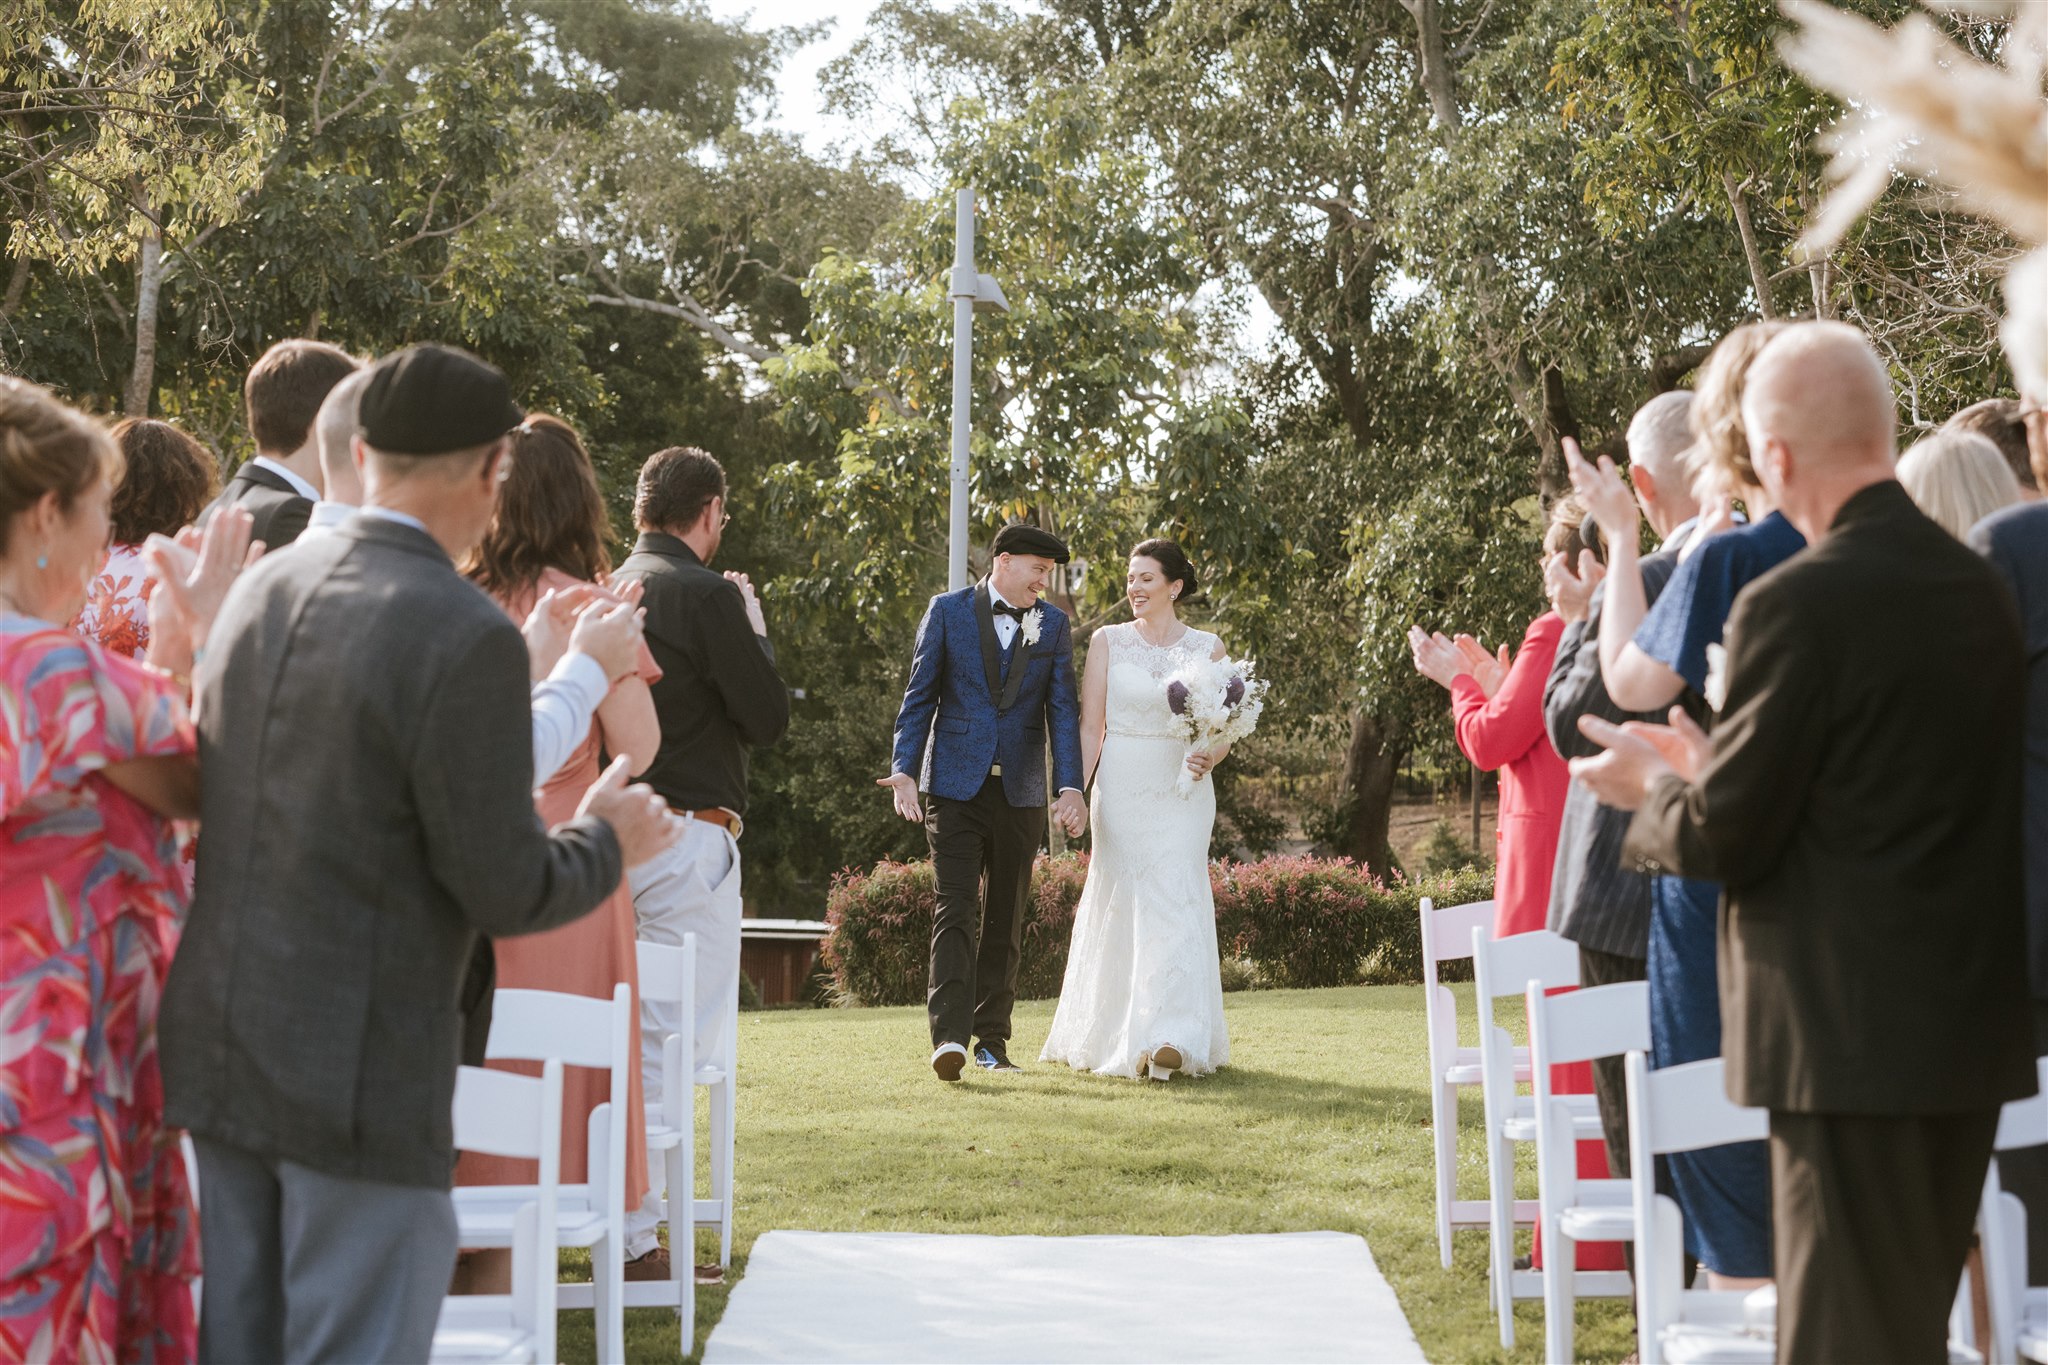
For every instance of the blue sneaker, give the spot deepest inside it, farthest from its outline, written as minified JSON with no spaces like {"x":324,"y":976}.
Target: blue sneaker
{"x":994,"y":1059}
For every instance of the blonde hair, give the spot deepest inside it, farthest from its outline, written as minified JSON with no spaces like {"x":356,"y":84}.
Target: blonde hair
{"x":1566,"y":533}
{"x":1958,"y":478}
{"x":1722,"y":442}
{"x":46,"y":447}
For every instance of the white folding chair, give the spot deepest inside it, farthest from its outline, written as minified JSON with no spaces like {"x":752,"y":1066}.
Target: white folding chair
{"x":668,"y":975}
{"x":575,"y":1030}
{"x":1584,"y":1026}
{"x":1686,"y":1109}
{"x":2019,"y":1314}
{"x":720,"y":1081}
{"x":1508,"y":967}
{"x":520,"y":1116}
{"x":1447,"y":937}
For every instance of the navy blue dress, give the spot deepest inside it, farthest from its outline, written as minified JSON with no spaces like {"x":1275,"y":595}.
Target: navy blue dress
{"x":1725,"y":1192}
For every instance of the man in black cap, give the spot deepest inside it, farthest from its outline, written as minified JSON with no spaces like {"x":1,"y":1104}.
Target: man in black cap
{"x":993,"y":672}
{"x":367,"y":740}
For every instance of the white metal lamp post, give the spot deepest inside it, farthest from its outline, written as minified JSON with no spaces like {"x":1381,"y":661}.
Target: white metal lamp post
{"x":971,"y":293}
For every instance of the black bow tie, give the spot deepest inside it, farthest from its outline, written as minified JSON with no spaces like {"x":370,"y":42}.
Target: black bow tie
{"x":1015,"y":613}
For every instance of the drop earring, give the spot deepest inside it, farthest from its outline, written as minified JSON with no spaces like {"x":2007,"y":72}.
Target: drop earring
{"x":42,"y":561}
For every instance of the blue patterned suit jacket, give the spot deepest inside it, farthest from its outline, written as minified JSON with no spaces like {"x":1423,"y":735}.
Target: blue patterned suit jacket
{"x":967,"y":709}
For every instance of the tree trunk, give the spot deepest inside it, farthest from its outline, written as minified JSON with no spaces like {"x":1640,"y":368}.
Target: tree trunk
{"x":1370,"y":766}
{"x":1434,"y":60}
{"x":1759,"y":278}
{"x":149,"y":275}
{"x":17,"y":288}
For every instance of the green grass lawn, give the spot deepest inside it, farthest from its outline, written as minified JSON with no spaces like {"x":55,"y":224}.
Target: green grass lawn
{"x":1320,"y":1122}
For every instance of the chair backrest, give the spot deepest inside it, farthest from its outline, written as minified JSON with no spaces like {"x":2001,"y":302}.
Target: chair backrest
{"x":1446,"y":937}
{"x":1585,"y":1025}
{"x":668,"y":973}
{"x":2002,"y":1221}
{"x":2024,"y":1123}
{"x":532,"y":1026}
{"x":1507,"y":966}
{"x":511,"y":1115}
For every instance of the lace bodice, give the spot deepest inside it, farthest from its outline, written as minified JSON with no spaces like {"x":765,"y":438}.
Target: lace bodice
{"x":1137,"y":677}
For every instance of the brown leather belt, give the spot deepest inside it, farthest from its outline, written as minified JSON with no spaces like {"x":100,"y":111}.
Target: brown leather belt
{"x":719,"y":816}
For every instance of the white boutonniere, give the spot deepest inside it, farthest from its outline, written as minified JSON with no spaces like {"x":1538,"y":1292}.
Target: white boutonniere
{"x":1033,"y":619}
{"x":1717,"y":677}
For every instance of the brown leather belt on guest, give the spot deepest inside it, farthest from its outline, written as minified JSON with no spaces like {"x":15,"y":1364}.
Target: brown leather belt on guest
{"x":719,"y":816}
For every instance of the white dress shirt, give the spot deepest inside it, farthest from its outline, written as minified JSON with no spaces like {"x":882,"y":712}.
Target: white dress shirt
{"x":563,"y":702}
{"x":1006,"y":631}
{"x":327,"y":516}
{"x":299,"y":485}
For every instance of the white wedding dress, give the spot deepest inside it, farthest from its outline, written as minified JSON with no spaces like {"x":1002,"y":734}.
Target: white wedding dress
{"x":1142,"y":969}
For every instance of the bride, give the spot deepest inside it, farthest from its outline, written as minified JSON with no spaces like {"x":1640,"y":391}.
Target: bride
{"x":1143,"y":994}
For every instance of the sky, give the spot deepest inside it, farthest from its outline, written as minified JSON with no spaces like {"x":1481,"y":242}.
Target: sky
{"x":798,"y":101}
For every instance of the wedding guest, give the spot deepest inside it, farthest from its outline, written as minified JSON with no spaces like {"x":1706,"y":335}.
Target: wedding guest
{"x":1498,"y":703}
{"x":1875,"y":992}
{"x":549,"y":536}
{"x":167,"y":480}
{"x":2016,"y":542}
{"x":97,"y":1256}
{"x":364,"y":724}
{"x":1957,"y":478}
{"x":2001,"y":421}
{"x":1657,"y":657}
{"x":1596,"y":902}
{"x":718,"y":696}
{"x":282,"y":394}
{"x":334,"y":442}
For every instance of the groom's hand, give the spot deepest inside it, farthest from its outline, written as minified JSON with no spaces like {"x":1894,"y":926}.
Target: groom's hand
{"x":905,"y":787}
{"x":1072,"y":813}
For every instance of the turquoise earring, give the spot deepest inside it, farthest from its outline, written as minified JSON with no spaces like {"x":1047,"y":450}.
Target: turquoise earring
{"x":42,"y":561}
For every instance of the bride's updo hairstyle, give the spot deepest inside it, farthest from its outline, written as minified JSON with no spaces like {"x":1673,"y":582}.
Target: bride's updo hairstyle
{"x":1172,"y":562}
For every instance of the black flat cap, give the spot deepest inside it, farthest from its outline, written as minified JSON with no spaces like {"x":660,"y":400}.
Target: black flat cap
{"x":1019,"y":539}
{"x":435,"y":400}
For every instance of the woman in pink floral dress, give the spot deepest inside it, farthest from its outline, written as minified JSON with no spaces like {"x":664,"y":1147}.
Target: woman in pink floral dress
{"x":167,"y":480}
{"x":97,"y":1254}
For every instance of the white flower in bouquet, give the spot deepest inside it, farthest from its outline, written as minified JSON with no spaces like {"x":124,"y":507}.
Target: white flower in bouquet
{"x":1214,"y":702}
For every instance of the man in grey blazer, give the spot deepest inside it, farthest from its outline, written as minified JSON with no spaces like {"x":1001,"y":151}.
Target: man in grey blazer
{"x":367,"y":744}
{"x":1595,"y":901}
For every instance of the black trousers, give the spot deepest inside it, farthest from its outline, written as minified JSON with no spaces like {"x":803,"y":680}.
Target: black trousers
{"x":982,"y":851}
{"x":2025,"y":1173}
{"x":1871,"y":1218}
{"x":1610,"y":1074}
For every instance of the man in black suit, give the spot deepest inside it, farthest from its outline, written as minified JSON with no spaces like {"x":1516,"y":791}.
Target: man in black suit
{"x":282,"y":396}
{"x":366,"y":736}
{"x":1595,"y":901}
{"x":1860,"y":801}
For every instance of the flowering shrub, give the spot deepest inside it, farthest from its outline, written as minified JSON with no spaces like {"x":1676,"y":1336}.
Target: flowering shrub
{"x":1288,"y":921}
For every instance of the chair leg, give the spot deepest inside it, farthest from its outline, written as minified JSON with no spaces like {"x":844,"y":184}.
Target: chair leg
{"x":1560,"y":1262}
{"x":682,"y":1238}
{"x":1500,"y":1191}
{"x":722,"y":1125}
{"x":1443,"y":1104}
{"x":607,"y":1301}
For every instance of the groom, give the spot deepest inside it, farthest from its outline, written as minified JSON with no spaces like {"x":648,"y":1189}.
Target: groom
{"x":994,"y":667}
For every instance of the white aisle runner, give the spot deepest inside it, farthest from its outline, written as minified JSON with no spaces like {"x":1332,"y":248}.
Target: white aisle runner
{"x":901,"y":1296}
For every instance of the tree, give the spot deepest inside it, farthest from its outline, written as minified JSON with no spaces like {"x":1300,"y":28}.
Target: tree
{"x":134,"y":132}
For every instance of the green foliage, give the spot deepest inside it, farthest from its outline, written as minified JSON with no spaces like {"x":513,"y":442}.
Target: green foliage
{"x":1445,"y":850}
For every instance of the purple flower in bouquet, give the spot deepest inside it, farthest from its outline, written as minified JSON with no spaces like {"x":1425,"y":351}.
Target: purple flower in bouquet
{"x":1233,"y":692}
{"x":1177,"y":697}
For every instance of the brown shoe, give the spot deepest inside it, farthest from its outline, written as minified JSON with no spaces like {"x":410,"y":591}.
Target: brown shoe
{"x":711,"y":1273}
{"x":655,"y":1265}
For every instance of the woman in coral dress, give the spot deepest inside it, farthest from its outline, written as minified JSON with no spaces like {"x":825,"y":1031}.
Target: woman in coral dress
{"x":97,"y":1253}
{"x":1498,"y":704}
{"x":549,"y":535}
{"x":167,"y":479}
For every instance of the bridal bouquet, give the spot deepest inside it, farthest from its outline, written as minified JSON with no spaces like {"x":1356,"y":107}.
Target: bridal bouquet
{"x":1214,"y":701}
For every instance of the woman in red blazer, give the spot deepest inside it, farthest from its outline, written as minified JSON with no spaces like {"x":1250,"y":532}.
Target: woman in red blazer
{"x":1498,"y":705}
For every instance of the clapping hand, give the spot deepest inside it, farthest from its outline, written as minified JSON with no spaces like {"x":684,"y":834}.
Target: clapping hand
{"x":1488,"y":670}
{"x":194,"y":571}
{"x":1571,"y":593}
{"x":1608,"y":498}
{"x":1436,"y":657}
{"x":1637,"y":755}
{"x":610,"y":630}
{"x":752,"y":600}
{"x":548,"y":627}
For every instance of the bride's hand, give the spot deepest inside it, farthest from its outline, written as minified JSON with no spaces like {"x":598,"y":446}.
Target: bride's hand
{"x":1200,"y":762}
